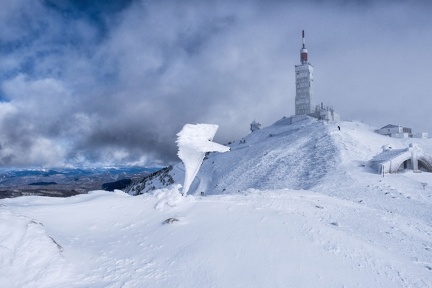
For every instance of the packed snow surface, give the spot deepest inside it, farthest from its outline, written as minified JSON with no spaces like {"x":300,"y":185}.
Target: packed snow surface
{"x":330,"y":222}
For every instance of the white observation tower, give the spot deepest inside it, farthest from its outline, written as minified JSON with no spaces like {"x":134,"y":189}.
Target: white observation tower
{"x":304,"y":83}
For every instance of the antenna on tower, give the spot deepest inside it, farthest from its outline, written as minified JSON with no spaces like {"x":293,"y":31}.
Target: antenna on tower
{"x":303,"y":39}
{"x":303,"y":51}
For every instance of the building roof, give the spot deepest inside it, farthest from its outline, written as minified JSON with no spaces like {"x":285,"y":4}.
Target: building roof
{"x":390,"y":126}
{"x":388,"y":155}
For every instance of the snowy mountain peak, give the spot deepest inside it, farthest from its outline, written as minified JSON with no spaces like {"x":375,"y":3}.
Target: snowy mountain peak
{"x":298,"y":152}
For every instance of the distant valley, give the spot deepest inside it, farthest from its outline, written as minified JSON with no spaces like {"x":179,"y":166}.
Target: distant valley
{"x":65,"y":182}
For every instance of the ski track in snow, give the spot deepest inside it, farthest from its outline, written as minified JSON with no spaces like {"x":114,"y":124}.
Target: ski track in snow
{"x":299,"y":209}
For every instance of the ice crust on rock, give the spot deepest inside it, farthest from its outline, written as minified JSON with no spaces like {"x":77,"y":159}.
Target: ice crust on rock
{"x":193,"y":142}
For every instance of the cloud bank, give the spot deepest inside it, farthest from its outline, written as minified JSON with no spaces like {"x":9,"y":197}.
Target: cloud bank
{"x":112,"y":83}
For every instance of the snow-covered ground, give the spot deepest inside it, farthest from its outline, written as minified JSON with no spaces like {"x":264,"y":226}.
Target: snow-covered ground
{"x":289,"y":206}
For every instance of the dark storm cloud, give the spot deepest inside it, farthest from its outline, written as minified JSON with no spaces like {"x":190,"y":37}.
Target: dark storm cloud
{"x":112,"y":82}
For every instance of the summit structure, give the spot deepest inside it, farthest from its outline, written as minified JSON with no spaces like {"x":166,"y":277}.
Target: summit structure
{"x":304,"y":83}
{"x":304,"y":104}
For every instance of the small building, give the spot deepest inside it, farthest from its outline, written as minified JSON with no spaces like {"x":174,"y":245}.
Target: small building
{"x":396,"y":131}
{"x":255,"y":126}
{"x":325,"y":113}
{"x":422,"y":135}
{"x":397,"y":160}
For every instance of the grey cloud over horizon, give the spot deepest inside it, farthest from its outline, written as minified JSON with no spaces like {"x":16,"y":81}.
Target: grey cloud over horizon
{"x":113,"y":84}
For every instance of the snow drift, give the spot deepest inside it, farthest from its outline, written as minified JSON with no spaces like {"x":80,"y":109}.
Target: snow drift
{"x":29,"y":256}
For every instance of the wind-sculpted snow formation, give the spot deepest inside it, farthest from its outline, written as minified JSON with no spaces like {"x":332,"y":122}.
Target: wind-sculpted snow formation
{"x":29,"y":257}
{"x":194,"y":141}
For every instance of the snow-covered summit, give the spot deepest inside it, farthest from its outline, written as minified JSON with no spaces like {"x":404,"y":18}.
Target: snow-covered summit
{"x":301,"y":154}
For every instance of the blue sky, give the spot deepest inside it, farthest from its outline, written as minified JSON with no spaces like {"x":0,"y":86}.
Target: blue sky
{"x":112,"y":82}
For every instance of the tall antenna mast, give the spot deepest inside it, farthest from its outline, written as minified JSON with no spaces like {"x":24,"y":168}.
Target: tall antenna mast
{"x":303,"y":39}
{"x":303,"y":51}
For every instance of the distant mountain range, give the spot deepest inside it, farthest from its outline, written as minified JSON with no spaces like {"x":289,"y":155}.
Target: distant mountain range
{"x":61,"y":182}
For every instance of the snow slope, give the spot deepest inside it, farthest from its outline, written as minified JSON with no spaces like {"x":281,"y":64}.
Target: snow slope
{"x":279,"y":156}
{"x":308,"y":154}
{"x":308,"y":214}
{"x":279,"y":238}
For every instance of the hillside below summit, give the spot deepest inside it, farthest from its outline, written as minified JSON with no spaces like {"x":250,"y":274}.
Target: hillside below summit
{"x":308,"y":154}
